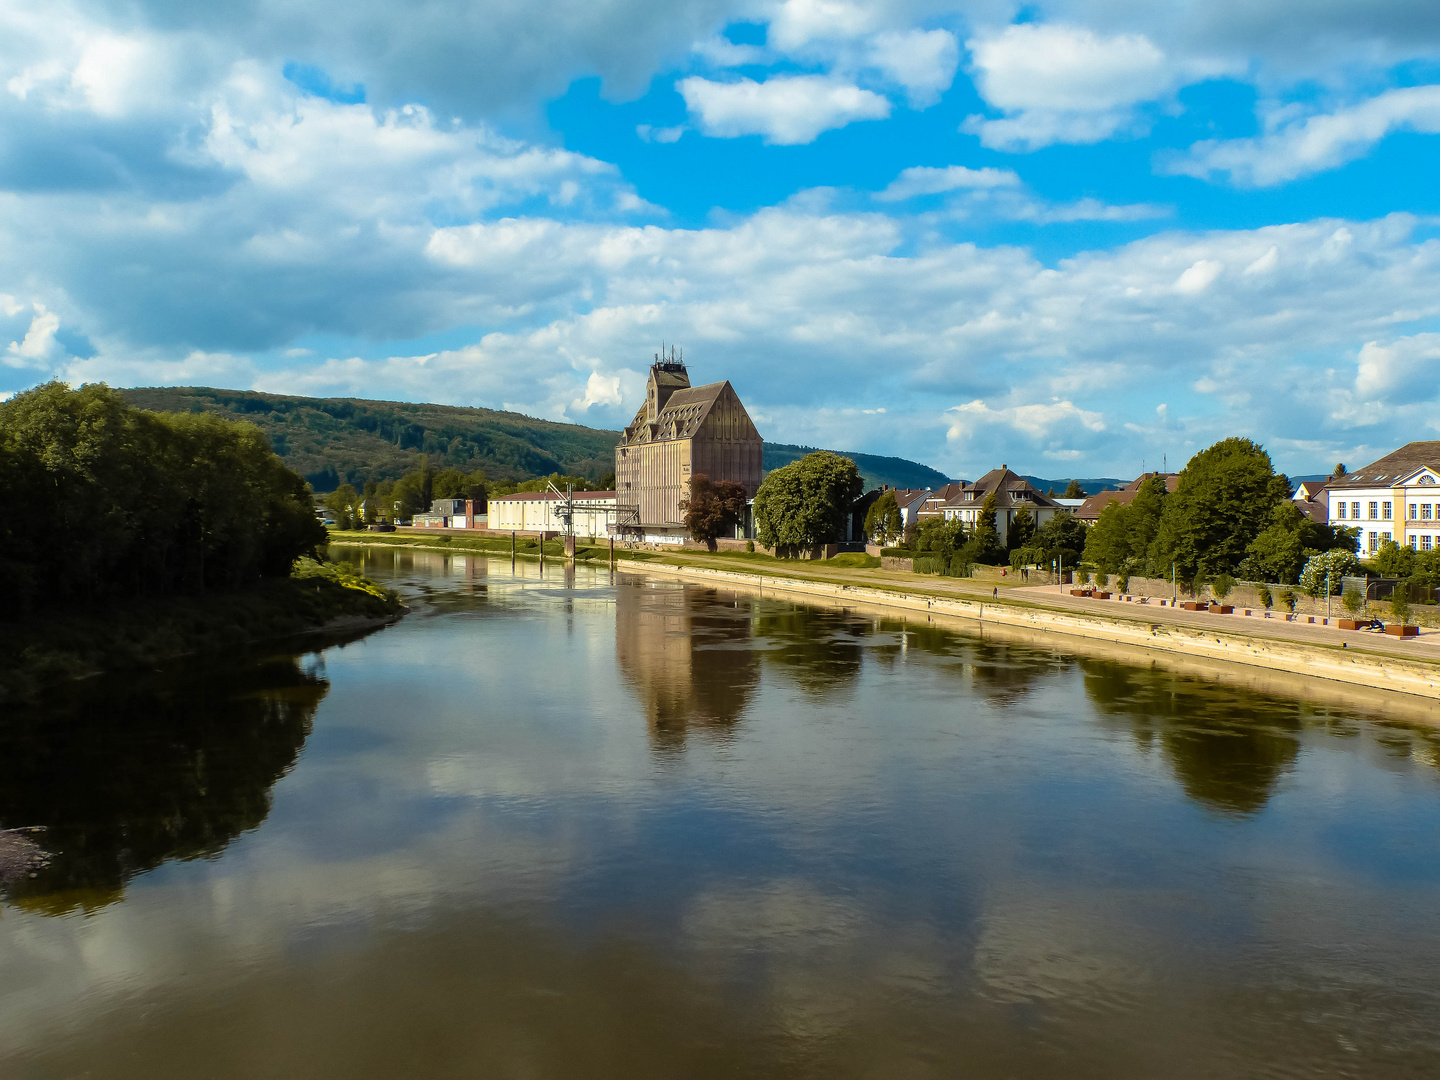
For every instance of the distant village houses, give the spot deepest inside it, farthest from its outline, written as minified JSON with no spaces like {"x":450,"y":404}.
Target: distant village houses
{"x":1011,"y":493}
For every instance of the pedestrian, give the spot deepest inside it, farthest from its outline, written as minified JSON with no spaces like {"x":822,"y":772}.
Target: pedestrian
{"x":995,"y":593}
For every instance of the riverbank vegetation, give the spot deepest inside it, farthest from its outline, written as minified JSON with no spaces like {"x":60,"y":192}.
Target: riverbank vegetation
{"x":127,"y":536}
{"x":586,"y":549}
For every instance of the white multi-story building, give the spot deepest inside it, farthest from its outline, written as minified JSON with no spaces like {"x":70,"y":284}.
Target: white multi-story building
{"x":537,"y":511}
{"x":1396,"y":498}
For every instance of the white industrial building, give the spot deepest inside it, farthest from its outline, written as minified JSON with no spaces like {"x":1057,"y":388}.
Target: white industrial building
{"x":539,"y":511}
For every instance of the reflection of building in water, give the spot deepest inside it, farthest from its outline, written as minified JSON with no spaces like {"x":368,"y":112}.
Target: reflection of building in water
{"x":687,"y":651}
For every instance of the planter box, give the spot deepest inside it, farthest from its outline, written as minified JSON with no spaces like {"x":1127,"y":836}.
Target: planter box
{"x":1402,"y":631}
{"x":1101,"y":595}
{"x":1347,"y":624}
{"x":1190,"y":605}
{"x":1080,"y":592}
{"x":1222,"y":609}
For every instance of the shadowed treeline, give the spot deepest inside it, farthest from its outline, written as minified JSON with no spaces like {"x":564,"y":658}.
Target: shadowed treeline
{"x":118,"y":783}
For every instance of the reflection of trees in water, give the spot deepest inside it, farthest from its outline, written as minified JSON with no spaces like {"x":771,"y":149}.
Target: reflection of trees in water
{"x":127,"y":782}
{"x":687,"y":651}
{"x":1228,"y":747}
{"x":820,"y":650}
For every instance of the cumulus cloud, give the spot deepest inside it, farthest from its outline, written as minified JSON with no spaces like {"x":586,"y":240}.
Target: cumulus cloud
{"x":923,"y":180}
{"x":1063,"y":83}
{"x":1292,"y":147}
{"x":1402,"y":370}
{"x":38,"y":343}
{"x":785,"y":109}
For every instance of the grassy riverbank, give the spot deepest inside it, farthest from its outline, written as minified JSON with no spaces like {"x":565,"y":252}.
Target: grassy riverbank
{"x":136,"y":634}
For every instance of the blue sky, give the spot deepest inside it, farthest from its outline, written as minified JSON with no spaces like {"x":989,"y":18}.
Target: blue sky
{"x":1071,"y":237}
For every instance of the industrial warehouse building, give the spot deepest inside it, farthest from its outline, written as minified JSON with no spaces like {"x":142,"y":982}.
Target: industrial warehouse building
{"x":681,"y":431}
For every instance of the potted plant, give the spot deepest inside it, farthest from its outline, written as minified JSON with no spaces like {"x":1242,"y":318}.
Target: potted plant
{"x":1400,"y":609}
{"x":1122,"y":580}
{"x":1221,"y":587}
{"x":1082,"y":578}
{"x":1102,"y":579}
{"x":1353,"y":602}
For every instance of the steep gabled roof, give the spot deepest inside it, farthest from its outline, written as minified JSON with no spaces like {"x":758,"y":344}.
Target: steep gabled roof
{"x":1009,"y":489}
{"x":1393,"y":467}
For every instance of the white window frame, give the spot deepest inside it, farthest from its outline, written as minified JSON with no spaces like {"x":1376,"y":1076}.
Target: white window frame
{"x":1387,"y":511}
{"x":1341,"y":507}
{"x":1374,"y":511}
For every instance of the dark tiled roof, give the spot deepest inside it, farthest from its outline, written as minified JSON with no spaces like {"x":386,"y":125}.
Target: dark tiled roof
{"x":1391,"y":468}
{"x":1010,"y":490}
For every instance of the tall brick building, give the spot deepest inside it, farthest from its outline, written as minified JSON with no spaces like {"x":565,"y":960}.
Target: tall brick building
{"x":681,"y":431}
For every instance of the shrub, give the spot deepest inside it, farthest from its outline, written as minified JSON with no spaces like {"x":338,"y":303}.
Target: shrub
{"x":1400,"y":603}
{"x":960,"y":566}
{"x":750,"y":545}
{"x":1222,"y":586}
{"x":1287,"y":599}
{"x":1082,"y":576}
{"x":1122,"y":581}
{"x":1266,"y":599}
{"x":1102,"y":579}
{"x":897,"y":552}
{"x":1352,"y":600}
{"x":928,"y":564}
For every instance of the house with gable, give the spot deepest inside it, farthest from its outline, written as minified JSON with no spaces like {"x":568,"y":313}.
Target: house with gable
{"x":1011,"y":493}
{"x":1395,"y":498}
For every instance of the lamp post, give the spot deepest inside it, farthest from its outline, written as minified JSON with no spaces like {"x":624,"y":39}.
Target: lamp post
{"x":1174,"y":589}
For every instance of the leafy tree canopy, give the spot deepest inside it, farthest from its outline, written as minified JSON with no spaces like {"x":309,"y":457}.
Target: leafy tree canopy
{"x":101,"y":500}
{"x":804,"y":503}
{"x":1226,"y":496}
{"x":883,"y":522}
{"x":713,"y":509}
{"x":1074,"y":491}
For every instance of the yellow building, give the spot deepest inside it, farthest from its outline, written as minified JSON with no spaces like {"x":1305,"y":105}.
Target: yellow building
{"x":681,"y":431}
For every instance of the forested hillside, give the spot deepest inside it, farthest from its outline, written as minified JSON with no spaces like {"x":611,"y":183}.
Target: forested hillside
{"x":874,"y":469}
{"x":331,"y":441}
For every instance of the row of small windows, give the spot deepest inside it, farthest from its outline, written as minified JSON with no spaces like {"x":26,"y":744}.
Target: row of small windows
{"x":1418,"y":511}
{"x":1417,"y":543}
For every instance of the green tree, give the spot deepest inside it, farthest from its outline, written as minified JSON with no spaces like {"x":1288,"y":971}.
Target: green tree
{"x":344,"y":506}
{"x":1108,"y":542}
{"x":941,"y":537}
{"x":883,"y":522}
{"x":1063,"y":537}
{"x":1143,"y":519}
{"x":1074,"y":491}
{"x":804,"y":503}
{"x":1392,"y":560}
{"x":1400,"y":603}
{"x":1225,"y":497}
{"x":1222,"y":586}
{"x":1278,"y":553}
{"x":712,"y":509}
{"x":1022,"y":528}
{"x":1353,"y":600}
{"x":984,"y":544}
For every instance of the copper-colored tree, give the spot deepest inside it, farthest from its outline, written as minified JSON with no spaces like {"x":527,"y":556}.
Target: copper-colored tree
{"x":712,"y":510}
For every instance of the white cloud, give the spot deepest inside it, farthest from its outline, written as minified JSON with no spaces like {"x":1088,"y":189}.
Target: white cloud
{"x":600,"y":390}
{"x":1294,"y":147}
{"x":924,"y":180}
{"x":648,"y":133}
{"x":921,"y":61}
{"x":39,"y":341}
{"x":1038,"y":421}
{"x":1064,"y":83}
{"x":1405,"y":370}
{"x":1198,"y":277}
{"x":785,"y":109}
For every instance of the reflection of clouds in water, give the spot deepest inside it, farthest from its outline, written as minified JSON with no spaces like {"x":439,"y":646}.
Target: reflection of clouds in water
{"x":1078,"y":951}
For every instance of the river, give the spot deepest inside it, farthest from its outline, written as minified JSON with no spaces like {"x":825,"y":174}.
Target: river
{"x":562,"y":824}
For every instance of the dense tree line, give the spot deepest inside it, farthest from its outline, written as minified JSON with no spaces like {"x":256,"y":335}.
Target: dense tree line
{"x":99,"y":501}
{"x":1230,"y":514}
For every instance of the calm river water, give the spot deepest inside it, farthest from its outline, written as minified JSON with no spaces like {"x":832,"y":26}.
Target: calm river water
{"x":569,"y":826}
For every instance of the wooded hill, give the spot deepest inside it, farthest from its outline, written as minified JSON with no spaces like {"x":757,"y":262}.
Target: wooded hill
{"x":333,"y":441}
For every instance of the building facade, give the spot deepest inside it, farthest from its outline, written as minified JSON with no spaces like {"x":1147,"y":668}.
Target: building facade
{"x":681,"y":431}
{"x":1091,"y":508}
{"x":1396,"y":498}
{"x":1011,"y":493}
{"x":452,"y":514}
{"x":541,"y":511}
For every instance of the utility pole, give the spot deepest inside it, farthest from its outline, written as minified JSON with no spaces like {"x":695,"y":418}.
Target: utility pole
{"x":1174,"y":590}
{"x":1328,"y":572}
{"x":612,"y":552}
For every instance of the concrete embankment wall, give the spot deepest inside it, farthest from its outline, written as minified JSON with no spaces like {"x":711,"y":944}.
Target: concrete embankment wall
{"x":1308,"y":662}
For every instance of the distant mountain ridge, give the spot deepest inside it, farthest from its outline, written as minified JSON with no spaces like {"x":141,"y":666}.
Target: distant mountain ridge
{"x":876,"y":470}
{"x":331,"y":441}
{"x":1091,"y":484}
